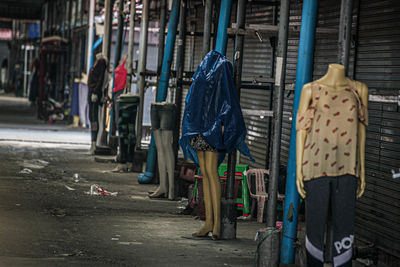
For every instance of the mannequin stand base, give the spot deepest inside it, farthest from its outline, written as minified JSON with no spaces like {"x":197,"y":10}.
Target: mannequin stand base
{"x":103,"y":150}
{"x":268,"y":240}
{"x":228,"y":219}
{"x":138,"y":159}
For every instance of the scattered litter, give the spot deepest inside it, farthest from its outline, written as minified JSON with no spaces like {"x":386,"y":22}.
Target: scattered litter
{"x":18,"y":205}
{"x":396,"y":175}
{"x":96,"y":190}
{"x":34,"y":163}
{"x":58,"y":212}
{"x":76,"y":177}
{"x":26,"y":171}
{"x":74,"y":253}
{"x":114,"y":238}
{"x":183,"y":203}
{"x":130,"y":243}
{"x":69,"y":188}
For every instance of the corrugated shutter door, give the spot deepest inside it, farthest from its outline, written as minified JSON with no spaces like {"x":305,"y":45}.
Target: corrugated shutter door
{"x":256,"y":63}
{"x":378,"y":65}
{"x":257,"y":131}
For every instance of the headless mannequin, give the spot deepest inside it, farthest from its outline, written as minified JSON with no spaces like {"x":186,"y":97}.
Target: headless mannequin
{"x":335,"y":78}
{"x":208,"y":162}
{"x":162,"y":117}
{"x":338,"y":188}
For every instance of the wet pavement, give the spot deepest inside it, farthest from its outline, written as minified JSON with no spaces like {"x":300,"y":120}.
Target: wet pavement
{"x":48,"y":219}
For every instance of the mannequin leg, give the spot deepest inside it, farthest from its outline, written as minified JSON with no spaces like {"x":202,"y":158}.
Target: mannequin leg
{"x":162,"y":169}
{"x":343,"y":208}
{"x":208,"y":226}
{"x":317,"y":204}
{"x":215,"y":186}
{"x":167,"y":139}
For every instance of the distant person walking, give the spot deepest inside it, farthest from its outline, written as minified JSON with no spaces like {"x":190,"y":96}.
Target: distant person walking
{"x":34,"y":82}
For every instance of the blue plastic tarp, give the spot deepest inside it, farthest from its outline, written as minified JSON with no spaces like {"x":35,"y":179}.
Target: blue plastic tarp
{"x":212,"y":102}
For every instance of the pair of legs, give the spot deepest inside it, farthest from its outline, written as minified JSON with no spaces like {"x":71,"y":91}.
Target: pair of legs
{"x":166,"y":163}
{"x":338,"y":193}
{"x":94,"y":123}
{"x":208,"y":162}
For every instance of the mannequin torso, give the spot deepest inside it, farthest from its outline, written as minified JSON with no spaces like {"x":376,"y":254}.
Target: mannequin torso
{"x":333,"y":81}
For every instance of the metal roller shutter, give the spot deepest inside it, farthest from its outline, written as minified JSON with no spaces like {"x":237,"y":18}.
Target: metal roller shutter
{"x":378,"y":65}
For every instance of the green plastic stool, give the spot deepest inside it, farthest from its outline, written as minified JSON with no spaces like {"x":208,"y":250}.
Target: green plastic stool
{"x":242,"y":202}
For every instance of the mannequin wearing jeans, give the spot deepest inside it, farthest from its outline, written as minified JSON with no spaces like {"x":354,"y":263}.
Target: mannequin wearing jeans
{"x":163,"y":124}
{"x":330,"y":147}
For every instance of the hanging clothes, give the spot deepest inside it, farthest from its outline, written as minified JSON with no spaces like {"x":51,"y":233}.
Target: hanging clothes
{"x":120,"y":77}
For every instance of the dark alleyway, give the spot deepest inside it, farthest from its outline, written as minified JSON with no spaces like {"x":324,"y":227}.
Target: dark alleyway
{"x":48,"y":220}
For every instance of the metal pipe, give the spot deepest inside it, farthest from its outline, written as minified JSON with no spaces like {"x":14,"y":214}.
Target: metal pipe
{"x":130,"y":46}
{"x":237,"y":74}
{"x":228,"y":205}
{"x":207,"y":28}
{"x":346,"y":11}
{"x":272,"y":40}
{"x":144,"y":27}
{"x":117,"y":57}
{"x":303,"y":76}
{"x":278,"y":110}
{"x":90,"y":36}
{"x":107,"y":28}
{"x":120,"y":33}
{"x":161,"y":40}
{"x":162,"y":87}
{"x":25,"y":70}
{"x":223,"y":23}
{"x":180,"y":66}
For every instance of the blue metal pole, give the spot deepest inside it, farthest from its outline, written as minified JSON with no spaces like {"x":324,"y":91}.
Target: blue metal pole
{"x":96,"y":44}
{"x":147,"y":176}
{"x":303,"y":76}
{"x":223,"y":23}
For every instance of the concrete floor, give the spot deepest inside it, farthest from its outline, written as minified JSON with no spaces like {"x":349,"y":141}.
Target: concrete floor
{"x":48,"y":220}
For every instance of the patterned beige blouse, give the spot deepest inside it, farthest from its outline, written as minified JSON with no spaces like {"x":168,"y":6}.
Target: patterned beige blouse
{"x":331,"y":121}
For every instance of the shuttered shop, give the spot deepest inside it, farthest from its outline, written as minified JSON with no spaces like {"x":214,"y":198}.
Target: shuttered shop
{"x":378,"y":65}
{"x":257,"y":63}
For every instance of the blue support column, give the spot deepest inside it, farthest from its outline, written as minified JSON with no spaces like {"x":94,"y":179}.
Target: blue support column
{"x":223,"y":23}
{"x":147,"y":177}
{"x":96,"y":44}
{"x":303,"y":76}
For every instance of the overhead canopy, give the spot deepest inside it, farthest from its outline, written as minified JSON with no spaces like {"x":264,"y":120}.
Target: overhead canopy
{"x":21,"y":9}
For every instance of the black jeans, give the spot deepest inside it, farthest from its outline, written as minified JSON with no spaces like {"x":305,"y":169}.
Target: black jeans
{"x":162,"y":116}
{"x":93,"y":117}
{"x":340,"y":194}
{"x":126,"y":127}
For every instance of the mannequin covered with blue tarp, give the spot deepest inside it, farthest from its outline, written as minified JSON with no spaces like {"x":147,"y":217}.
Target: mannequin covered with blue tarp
{"x":212,"y":126}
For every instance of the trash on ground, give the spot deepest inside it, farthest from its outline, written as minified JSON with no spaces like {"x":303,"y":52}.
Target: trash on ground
{"x":183,"y":203}
{"x":96,"y":190}
{"x":58,"y":212}
{"x":26,"y":171}
{"x":76,"y":177}
{"x":34,"y":163}
{"x":396,"y":175}
{"x":114,"y":238}
{"x":69,"y":188}
{"x":130,"y":243}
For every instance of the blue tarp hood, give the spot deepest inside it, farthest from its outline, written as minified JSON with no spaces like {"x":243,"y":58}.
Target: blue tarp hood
{"x":212,"y":102}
